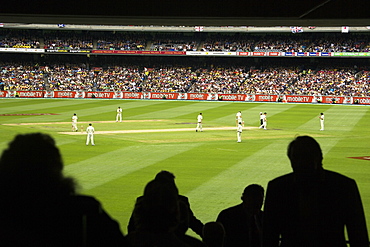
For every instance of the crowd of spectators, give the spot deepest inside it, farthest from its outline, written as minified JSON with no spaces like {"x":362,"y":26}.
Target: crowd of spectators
{"x":233,"y":42}
{"x":174,"y":42}
{"x":119,"y":41}
{"x":19,"y":39}
{"x":279,"y":80}
{"x":67,"y":41}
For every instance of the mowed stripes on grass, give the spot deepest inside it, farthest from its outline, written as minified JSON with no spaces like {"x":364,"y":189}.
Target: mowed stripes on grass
{"x":210,"y":167}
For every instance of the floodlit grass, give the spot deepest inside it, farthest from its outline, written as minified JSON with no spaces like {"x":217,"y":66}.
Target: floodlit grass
{"x":210,"y":167}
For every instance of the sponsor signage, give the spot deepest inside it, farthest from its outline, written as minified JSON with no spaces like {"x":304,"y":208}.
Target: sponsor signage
{"x":99,"y":95}
{"x":361,"y":100}
{"x":259,"y":54}
{"x":314,"y":54}
{"x":64,"y":94}
{"x":67,"y":51}
{"x":3,"y":94}
{"x":244,"y":53}
{"x":266,"y":97}
{"x":299,"y":98}
{"x":232,"y":97}
{"x":351,"y":54}
{"x":333,"y":100}
{"x":131,"y":95}
{"x":139,"y":52}
{"x":31,"y":50}
{"x":30,"y":94}
{"x":163,"y":95}
{"x":189,"y":96}
{"x":197,"y":96}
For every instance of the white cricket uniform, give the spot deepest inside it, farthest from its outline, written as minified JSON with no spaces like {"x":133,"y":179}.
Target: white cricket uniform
{"x":264,"y":122}
{"x":261,"y":118}
{"x":199,"y":124}
{"x":239,"y":117}
{"x":119,"y":115}
{"x":322,"y":119}
{"x":239,"y":132}
{"x":90,"y":135}
{"x":74,"y":123}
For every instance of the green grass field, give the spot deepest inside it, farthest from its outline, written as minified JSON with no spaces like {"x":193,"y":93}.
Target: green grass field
{"x":211,"y":168}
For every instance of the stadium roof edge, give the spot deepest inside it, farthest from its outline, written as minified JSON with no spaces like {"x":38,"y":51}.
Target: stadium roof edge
{"x":177,"y":21}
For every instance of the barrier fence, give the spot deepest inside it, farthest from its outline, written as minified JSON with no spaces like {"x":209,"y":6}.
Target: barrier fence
{"x":189,"y":96}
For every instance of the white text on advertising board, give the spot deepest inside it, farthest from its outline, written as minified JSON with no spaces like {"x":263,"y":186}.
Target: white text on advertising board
{"x":132,"y":95}
{"x":162,"y":95}
{"x":196,"y":96}
{"x":65,"y":94}
{"x":299,"y":99}
{"x":30,"y":94}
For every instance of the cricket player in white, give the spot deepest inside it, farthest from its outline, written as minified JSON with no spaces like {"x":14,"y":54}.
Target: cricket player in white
{"x":74,"y":122}
{"x":90,"y":135}
{"x":199,"y":124}
{"x":238,"y":117}
{"x":264,"y":121}
{"x":261,"y":118}
{"x":322,"y":119}
{"x":119,"y":114}
{"x":239,"y":131}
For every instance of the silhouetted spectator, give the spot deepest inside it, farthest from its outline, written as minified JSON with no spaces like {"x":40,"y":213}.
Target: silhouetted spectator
{"x":191,"y":222}
{"x":39,"y":205}
{"x":243,"y":222}
{"x":312,"y":206}
{"x":213,"y":234}
{"x":156,"y":217}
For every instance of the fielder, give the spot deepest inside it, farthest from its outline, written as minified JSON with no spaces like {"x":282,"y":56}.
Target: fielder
{"x":90,"y":135}
{"x":199,"y":124}
{"x":74,"y":122}
{"x":238,"y":118}
{"x":261,"y":118}
{"x":239,"y":131}
{"x":264,"y":121}
{"x":322,"y":119}
{"x":119,"y":114}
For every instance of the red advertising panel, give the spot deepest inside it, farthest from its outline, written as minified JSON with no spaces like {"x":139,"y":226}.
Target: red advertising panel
{"x":139,"y":52}
{"x":3,"y":94}
{"x":259,"y":54}
{"x":266,"y":97}
{"x":100,"y":95}
{"x":64,"y":94}
{"x":334,"y":100}
{"x":232,"y":97}
{"x":162,"y":95}
{"x":197,"y":96}
{"x":244,"y":53}
{"x":361,"y":100}
{"x":30,"y":94}
{"x":298,"y":98}
{"x":131,"y":95}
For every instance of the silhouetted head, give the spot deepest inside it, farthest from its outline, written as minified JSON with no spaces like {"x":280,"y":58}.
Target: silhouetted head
{"x":305,"y":155}
{"x":214,"y":234}
{"x":166,"y":177}
{"x":159,"y":209}
{"x":252,"y":198}
{"x":33,"y":161}
{"x":32,"y":153}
